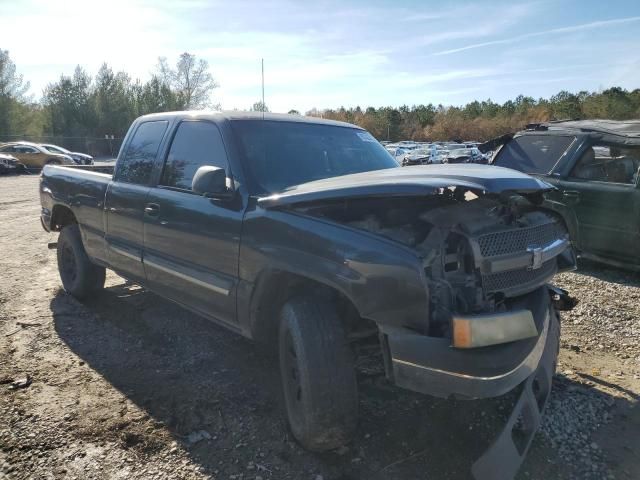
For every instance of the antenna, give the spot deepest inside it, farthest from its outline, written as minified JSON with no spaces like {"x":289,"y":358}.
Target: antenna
{"x":263,"y":104}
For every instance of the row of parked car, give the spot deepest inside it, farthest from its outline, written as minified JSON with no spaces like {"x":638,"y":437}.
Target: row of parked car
{"x":17,"y":156}
{"x":423,"y":153}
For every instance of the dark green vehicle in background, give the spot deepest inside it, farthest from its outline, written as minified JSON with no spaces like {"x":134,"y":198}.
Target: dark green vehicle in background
{"x":595,"y":165}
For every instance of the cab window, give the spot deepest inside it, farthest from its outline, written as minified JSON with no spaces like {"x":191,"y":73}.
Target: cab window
{"x":136,"y":164}
{"x":608,"y":163}
{"x":195,"y":144}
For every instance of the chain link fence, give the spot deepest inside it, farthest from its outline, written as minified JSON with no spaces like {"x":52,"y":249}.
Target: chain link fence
{"x":99,"y":148}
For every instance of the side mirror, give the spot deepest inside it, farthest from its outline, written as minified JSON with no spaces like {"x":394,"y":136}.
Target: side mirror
{"x":210,"y":182}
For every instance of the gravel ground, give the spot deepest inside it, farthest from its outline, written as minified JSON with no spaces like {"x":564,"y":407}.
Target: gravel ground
{"x":599,"y":371}
{"x":131,"y":386}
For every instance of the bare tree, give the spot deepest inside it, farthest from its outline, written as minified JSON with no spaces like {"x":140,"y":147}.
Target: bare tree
{"x":259,"y":107}
{"x":191,"y":80}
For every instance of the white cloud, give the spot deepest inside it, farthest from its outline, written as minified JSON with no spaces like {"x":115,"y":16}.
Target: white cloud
{"x":553,"y":31}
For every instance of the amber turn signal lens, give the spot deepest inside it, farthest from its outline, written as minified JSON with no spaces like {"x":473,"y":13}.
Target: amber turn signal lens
{"x":461,"y":333}
{"x":475,"y":331}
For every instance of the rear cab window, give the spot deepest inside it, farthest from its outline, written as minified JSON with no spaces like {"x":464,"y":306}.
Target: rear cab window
{"x":136,"y":164}
{"x":534,"y":153}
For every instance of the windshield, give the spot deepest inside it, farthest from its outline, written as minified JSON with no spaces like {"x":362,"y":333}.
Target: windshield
{"x":279,"y":155}
{"x":533,"y":153}
{"x":460,"y":152}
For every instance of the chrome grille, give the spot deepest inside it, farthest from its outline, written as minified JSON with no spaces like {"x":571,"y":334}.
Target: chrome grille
{"x":514,"y":282}
{"x":518,"y":240}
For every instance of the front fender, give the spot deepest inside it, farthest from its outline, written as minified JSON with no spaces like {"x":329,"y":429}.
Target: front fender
{"x":382,"y":279}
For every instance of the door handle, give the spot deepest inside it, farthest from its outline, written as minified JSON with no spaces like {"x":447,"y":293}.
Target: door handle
{"x":152,"y":210}
{"x":571,"y":194}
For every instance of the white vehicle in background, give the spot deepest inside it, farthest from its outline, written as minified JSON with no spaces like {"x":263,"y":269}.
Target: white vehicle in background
{"x":9,"y":164}
{"x":396,"y":152}
{"x":420,"y":156}
{"x":438,"y":153}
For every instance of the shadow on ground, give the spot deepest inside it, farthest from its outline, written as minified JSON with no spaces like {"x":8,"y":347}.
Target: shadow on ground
{"x":608,"y":273}
{"x":190,"y":375}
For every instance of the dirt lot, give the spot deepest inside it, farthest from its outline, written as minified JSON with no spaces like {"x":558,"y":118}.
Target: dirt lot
{"x":131,"y":386}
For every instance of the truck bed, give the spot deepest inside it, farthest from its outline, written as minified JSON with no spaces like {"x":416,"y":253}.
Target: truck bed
{"x":80,"y":188}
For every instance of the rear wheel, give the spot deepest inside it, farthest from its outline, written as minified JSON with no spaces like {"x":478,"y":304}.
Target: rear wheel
{"x":80,"y":277}
{"x":318,"y":374}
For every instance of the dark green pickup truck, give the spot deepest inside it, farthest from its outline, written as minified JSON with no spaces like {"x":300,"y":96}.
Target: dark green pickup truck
{"x":306,"y":235}
{"x":595,"y":165}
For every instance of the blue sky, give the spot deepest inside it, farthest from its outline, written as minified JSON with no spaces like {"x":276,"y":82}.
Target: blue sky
{"x":326,"y":54}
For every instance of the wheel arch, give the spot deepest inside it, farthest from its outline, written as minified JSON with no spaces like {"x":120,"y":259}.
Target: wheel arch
{"x":61,"y":216}
{"x":274,"y":287}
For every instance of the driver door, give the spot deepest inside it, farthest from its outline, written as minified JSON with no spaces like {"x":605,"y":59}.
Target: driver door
{"x":602,"y":189}
{"x":191,"y":242}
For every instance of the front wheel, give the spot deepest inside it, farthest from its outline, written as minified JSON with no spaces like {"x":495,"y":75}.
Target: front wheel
{"x":318,"y":374}
{"x":80,"y":277}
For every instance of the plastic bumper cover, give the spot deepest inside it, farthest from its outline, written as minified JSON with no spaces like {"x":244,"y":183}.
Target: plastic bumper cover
{"x":430,"y":365}
{"x":532,"y":368}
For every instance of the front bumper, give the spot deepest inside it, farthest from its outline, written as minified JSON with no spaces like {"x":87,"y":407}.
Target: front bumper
{"x":488,"y":372}
{"x":430,"y":365}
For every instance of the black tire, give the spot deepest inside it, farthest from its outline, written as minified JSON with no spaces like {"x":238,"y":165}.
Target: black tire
{"x":53,"y":161}
{"x":80,"y":277}
{"x":318,"y":374}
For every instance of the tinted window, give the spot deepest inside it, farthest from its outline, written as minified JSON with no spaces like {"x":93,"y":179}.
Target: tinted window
{"x":533,"y":153}
{"x":279,"y":155}
{"x":54,"y":149}
{"x":25,"y":149}
{"x":608,"y":163}
{"x":194,"y":145}
{"x":136,"y":164}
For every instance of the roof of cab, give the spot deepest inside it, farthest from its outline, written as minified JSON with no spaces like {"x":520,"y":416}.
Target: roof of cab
{"x":238,"y":115}
{"x":618,"y":132}
{"x":630,"y":128}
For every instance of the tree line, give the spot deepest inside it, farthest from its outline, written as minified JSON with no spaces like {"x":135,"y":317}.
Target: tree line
{"x":483,"y":120}
{"x":82,"y":105}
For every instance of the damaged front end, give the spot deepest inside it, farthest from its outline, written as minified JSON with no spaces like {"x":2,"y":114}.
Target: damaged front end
{"x":483,"y":258}
{"x":486,"y":258}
